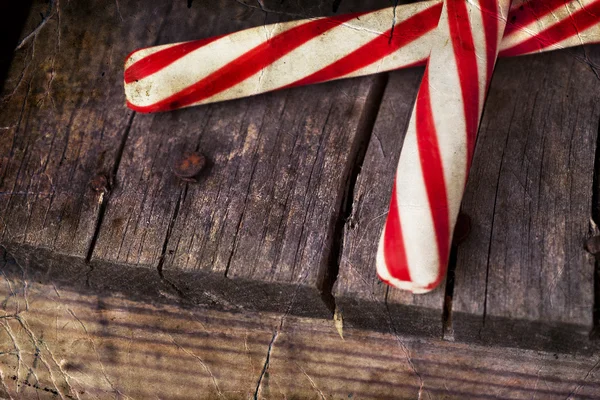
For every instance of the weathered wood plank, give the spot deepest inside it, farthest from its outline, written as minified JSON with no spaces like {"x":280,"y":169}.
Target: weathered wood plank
{"x":256,"y":231}
{"x":63,"y":119}
{"x":285,"y":199}
{"x":523,"y":275}
{"x":59,"y":342}
{"x":146,"y":191}
{"x":361,"y":297}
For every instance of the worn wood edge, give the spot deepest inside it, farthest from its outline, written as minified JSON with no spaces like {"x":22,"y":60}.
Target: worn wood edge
{"x":519,"y":333}
{"x":108,"y":346}
{"x":402,"y":319}
{"x":186,"y":289}
{"x":144,"y":285}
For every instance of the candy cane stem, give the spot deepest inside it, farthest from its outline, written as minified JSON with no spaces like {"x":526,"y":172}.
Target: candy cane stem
{"x":439,"y":144}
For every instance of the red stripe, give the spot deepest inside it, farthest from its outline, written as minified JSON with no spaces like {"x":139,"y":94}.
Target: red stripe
{"x":162,"y":58}
{"x":466,"y":62}
{"x":433,"y":171}
{"x":407,"y":31}
{"x":393,"y":243}
{"x":575,"y":24}
{"x":247,"y":64}
{"x":531,"y":12}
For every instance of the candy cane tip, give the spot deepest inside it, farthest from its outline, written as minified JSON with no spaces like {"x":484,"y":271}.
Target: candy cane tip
{"x":415,"y":285}
{"x":384,"y":275}
{"x":406,"y":285}
{"x":137,"y":108}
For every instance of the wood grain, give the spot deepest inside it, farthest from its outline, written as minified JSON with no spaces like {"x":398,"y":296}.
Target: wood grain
{"x":256,"y":230}
{"x":63,"y":344}
{"x":63,"y":120}
{"x":523,"y":276}
{"x":296,"y":187}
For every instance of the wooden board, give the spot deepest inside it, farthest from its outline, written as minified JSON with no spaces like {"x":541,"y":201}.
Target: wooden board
{"x":282,"y":156}
{"x":257,"y":230}
{"x":523,"y":276}
{"x":361,"y":297}
{"x":296,"y":188}
{"x":63,"y":121}
{"x":57,"y":343}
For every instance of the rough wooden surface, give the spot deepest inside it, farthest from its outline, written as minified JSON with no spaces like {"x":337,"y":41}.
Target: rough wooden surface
{"x":524,"y":275}
{"x":256,"y":231}
{"x":297,"y":185}
{"x":361,"y":297}
{"x":62,"y":344}
{"x":63,"y":123}
{"x":265,"y":210}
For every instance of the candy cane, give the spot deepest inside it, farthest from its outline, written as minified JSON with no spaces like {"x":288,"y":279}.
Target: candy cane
{"x":302,"y":52}
{"x":437,"y":151}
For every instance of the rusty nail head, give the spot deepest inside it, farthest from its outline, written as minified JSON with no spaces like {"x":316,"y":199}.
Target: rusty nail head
{"x":189,"y":165}
{"x":99,"y":183}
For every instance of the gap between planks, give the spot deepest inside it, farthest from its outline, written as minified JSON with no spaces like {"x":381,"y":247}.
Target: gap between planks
{"x":365,"y":132}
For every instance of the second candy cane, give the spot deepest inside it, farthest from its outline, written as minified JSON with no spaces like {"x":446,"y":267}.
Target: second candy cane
{"x":439,"y":144}
{"x":265,"y":58}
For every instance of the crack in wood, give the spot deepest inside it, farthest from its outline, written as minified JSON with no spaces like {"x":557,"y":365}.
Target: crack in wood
{"x":45,"y":19}
{"x":265,"y":367}
{"x":489,"y":251}
{"x":161,"y":261}
{"x":105,"y":198}
{"x":365,"y":131}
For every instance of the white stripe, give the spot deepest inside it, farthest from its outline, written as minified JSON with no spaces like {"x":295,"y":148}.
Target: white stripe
{"x":198,"y":64}
{"x":532,"y":29}
{"x":406,"y":55}
{"x":448,"y":115}
{"x":309,"y":57}
{"x":416,"y":220}
{"x":478,"y":32}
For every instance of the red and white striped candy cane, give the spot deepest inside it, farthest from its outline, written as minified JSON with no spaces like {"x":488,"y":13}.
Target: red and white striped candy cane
{"x":302,"y":52}
{"x":437,"y":151}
